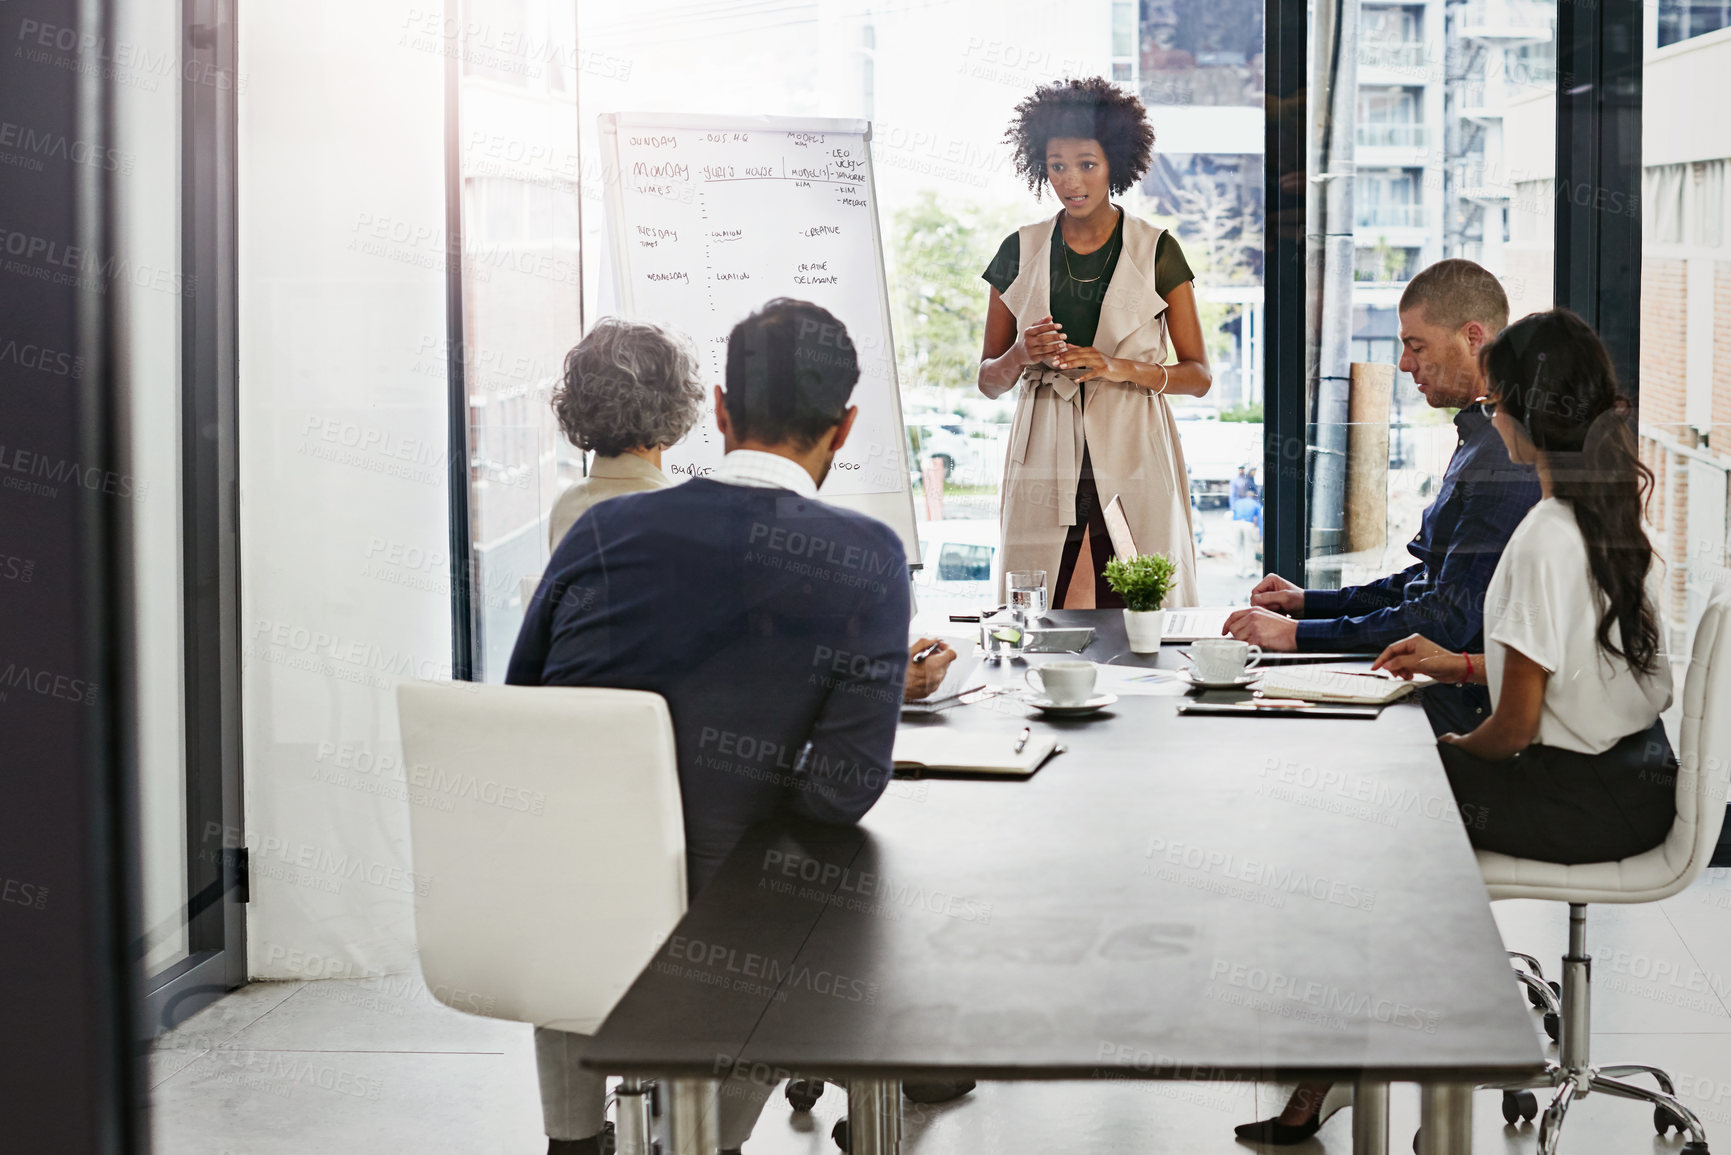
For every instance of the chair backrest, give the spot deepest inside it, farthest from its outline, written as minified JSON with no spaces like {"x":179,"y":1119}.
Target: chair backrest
{"x":549,"y":847}
{"x":1705,"y":757}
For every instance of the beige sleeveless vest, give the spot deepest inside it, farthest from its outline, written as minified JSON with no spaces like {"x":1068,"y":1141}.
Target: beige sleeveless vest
{"x":1131,"y":436}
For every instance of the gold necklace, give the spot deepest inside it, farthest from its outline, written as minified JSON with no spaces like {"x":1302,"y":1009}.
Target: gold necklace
{"x":1086,"y":280}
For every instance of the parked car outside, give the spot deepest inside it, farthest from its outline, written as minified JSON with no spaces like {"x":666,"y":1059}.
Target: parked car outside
{"x":960,"y":560}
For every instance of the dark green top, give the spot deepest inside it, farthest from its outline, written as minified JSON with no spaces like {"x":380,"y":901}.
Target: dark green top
{"x":1075,"y":304}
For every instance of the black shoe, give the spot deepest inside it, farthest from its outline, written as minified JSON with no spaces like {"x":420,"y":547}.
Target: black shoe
{"x":1274,"y":1133}
{"x":936,"y":1090}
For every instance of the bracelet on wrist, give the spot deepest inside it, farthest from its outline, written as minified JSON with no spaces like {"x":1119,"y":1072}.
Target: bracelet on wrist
{"x":1469,"y":660}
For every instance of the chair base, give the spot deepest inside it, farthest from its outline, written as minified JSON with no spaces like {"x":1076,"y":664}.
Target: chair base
{"x":1566,"y":1008}
{"x":1573,"y":1084}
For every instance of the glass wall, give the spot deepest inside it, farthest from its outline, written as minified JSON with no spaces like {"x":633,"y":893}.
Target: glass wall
{"x":522,"y":309}
{"x":940,"y":89}
{"x":1201,"y":75}
{"x":1450,"y":153}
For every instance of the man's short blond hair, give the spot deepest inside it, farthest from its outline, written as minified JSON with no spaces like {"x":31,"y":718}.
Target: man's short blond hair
{"x":1456,"y":291}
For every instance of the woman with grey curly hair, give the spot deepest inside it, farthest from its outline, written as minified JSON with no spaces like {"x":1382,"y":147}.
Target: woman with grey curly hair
{"x":629,"y":391}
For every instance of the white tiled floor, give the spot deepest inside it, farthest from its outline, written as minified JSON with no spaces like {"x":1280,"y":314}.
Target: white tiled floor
{"x":377,"y":1067}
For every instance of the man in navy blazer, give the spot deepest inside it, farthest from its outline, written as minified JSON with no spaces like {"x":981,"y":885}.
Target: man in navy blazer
{"x":774,"y":625}
{"x":1450,"y":311}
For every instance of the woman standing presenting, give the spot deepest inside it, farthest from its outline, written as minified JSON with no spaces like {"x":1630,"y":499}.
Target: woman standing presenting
{"x":1081,"y":311}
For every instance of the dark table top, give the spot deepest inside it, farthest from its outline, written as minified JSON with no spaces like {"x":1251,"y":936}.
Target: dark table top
{"x":1174,"y":897}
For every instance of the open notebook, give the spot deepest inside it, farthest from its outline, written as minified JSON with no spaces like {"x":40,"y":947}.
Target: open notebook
{"x":959,"y":679}
{"x":940,"y":748}
{"x":1333,"y":684}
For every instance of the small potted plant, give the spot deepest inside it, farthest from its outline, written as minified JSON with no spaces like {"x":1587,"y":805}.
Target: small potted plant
{"x":1143,"y":583}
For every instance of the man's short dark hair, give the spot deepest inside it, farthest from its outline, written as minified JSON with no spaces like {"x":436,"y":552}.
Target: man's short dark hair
{"x":790,"y":370}
{"x":1455,"y":291}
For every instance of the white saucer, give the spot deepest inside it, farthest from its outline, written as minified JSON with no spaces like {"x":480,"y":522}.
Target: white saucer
{"x":1247,"y":678}
{"x":1074,"y":710}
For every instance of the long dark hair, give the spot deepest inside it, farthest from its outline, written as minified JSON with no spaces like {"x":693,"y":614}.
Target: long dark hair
{"x":1551,"y":374}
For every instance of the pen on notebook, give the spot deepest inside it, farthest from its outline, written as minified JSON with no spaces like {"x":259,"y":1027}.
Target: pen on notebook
{"x":928,"y":652}
{"x":1022,"y":742}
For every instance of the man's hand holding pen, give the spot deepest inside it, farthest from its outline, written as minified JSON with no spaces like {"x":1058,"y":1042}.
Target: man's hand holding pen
{"x":928,"y":660}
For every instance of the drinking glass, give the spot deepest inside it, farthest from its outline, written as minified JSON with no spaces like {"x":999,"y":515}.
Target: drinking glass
{"x":1027,"y":589}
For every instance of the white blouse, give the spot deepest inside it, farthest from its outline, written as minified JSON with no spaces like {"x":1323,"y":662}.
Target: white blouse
{"x":1542,"y":602}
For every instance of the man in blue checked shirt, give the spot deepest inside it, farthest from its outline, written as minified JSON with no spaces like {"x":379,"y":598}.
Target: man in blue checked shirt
{"x":1448,"y":312}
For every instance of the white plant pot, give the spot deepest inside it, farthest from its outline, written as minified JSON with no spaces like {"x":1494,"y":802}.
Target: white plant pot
{"x":1145,"y":628}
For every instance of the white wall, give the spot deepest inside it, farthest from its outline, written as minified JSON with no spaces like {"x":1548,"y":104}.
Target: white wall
{"x":342,"y":466}
{"x":1682,"y":101}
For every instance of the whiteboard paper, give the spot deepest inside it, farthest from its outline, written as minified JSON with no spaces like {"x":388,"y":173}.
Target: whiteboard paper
{"x":709,"y":218}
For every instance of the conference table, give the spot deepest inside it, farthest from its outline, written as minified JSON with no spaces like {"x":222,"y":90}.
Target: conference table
{"x":1171,"y":897}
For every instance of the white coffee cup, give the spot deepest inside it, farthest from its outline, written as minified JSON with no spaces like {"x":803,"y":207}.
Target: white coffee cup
{"x":1063,"y":683}
{"x":1223,"y":659}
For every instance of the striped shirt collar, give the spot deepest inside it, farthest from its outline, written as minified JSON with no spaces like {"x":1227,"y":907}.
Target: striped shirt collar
{"x":760,"y":470}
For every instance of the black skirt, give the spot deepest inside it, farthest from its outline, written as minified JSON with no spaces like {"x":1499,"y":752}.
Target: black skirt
{"x":1090,"y":516}
{"x":1563,"y":806}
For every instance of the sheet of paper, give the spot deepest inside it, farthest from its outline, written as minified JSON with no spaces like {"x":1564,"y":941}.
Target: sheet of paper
{"x":1192,"y":622}
{"x":1123,"y":680}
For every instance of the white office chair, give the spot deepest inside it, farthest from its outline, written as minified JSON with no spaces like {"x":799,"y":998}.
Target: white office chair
{"x":560,"y":867}
{"x":1705,"y":759}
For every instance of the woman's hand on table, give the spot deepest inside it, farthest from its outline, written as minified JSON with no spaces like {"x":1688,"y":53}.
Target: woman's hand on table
{"x":1419,"y":655}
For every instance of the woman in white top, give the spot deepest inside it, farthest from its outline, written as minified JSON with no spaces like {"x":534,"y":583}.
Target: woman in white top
{"x":1572,"y":765}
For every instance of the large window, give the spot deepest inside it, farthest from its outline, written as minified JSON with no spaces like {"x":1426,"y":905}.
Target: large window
{"x":521,"y":295}
{"x":1681,"y":19}
{"x":1451,"y":155}
{"x":940,"y":94}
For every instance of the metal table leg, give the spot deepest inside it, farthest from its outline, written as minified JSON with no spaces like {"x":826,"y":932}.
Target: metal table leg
{"x":632,"y":1122}
{"x":692,"y":1126}
{"x":1445,"y":1119}
{"x":874,"y":1116}
{"x":1369,"y":1118}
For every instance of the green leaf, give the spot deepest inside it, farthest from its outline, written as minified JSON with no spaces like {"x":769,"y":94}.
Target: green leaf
{"x":1143,"y":581}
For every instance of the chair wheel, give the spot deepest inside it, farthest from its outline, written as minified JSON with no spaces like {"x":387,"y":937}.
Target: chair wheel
{"x":839,"y":1134}
{"x":1694,"y":1149}
{"x":608,"y":1140}
{"x":1664,"y":1119}
{"x":1521,"y":1105}
{"x":1415,"y":1136}
{"x":1537,"y":1003}
{"x":1553,"y":1027}
{"x":803,"y":1094}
